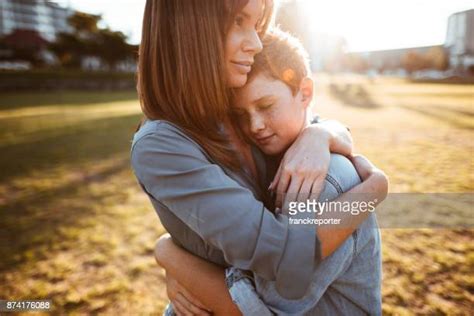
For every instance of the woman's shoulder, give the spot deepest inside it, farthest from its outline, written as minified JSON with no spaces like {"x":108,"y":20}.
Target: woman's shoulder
{"x":159,"y":128}
{"x":160,"y":142}
{"x":161,"y":132}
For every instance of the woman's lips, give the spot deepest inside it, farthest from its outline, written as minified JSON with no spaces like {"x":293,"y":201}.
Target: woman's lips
{"x":243,"y":67}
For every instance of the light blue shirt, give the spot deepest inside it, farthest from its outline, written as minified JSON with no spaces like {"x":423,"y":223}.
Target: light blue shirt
{"x":196,"y":199}
{"x":217,"y":214}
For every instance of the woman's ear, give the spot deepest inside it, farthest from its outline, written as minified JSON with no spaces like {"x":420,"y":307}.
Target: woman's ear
{"x":306,"y":90}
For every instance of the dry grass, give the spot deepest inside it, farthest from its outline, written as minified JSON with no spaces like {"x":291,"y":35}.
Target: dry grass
{"x":426,"y":271}
{"x":77,"y":229}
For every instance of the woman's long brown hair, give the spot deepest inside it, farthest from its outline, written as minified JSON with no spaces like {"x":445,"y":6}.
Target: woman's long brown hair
{"x":181,"y":70}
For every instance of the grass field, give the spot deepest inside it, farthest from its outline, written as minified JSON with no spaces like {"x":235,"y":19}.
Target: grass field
{"x":76,"y":228}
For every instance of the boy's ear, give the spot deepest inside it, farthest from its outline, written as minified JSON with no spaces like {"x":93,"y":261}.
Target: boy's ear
{"x":306,"y":90}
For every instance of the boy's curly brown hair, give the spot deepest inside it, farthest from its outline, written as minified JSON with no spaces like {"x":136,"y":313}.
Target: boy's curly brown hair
{"x":283,"y":58}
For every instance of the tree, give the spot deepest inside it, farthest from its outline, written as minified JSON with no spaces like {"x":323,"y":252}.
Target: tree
{"x":113,"y":47}
{"x":69,"y":49}
{"x":84,"y":24}
{"x":435,"y":58}
{"x":413,"y":61}
{"x":438,"y":58}
{"x":87,"y":39}
{"x":355,"y":63}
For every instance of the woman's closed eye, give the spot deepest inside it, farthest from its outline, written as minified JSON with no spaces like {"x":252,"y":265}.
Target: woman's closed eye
{"x":239,"y":20}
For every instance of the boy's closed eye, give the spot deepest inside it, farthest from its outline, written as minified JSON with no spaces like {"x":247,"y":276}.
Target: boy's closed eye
{"x":265,"y":106}
{"x":240,"y":116}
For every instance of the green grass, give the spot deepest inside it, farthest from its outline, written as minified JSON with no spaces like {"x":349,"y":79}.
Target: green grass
{"x":76,"y":228}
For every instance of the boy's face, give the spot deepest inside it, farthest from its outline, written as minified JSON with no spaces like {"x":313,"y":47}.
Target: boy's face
{"x":269,"y":114}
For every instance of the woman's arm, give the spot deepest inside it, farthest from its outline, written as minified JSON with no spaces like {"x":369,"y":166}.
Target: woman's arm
{"x":374,"y":188}
{"x":205,"y":280}
{"x":181,"y":179}
{"x":305,"y":164}
{"x":188,"y":274}
{"x":372,"y":191}
{"x":200,"y":283}
{"x":199,"y":286}
{"x":340,"y":138}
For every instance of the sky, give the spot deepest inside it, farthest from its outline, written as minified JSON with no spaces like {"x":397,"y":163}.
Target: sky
{"x":365,"y":24}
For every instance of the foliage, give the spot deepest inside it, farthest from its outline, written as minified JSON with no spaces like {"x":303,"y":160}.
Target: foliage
{"x":435,"y":58}
{"x":69,"y":49}
{"x":84,"y":23}
{"x":89,"y":40}
{"x":355,"y":63}
{"x":112,"y":47}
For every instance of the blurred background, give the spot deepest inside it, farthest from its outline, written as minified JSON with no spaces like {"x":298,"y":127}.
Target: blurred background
{"x":76,"y":228}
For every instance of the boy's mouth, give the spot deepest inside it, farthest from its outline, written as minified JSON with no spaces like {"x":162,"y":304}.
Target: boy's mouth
{"x":264,"y":140}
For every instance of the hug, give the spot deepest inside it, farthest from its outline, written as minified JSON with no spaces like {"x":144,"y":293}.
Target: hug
{"x":229,"y":140}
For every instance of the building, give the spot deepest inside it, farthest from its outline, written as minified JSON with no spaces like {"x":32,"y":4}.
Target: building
{"x":460,"y":40}
{"x":43,"y":16}
{"x":394,"y":59}
{"x":457,"y":52}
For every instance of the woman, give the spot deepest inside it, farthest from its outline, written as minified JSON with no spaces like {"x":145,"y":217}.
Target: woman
{"x":270,"y":110}
{"x":185,"y":154}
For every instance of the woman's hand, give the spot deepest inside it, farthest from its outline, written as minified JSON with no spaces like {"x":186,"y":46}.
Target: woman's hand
{"x":378,"y":180}
{"x":186,"y":274}
{"x":305,"y":164}
{"x":184,"y":303}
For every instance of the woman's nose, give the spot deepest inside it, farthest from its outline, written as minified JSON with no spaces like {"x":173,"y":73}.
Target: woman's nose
{"x":252,"y":42}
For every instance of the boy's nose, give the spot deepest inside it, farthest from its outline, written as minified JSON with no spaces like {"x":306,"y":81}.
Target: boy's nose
{"x":256,"y":124}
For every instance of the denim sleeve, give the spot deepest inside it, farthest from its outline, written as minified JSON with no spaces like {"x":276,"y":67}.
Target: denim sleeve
{"x":342,"y":176}
{"x":318,"y":119}
{"x":174,"y":170}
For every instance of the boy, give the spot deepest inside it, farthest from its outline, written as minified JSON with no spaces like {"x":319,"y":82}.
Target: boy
{"x":271,"y":110}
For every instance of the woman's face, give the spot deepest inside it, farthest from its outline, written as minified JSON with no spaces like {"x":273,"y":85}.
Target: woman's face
{"x":269,"y":114}
{"x":243,"y":43}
